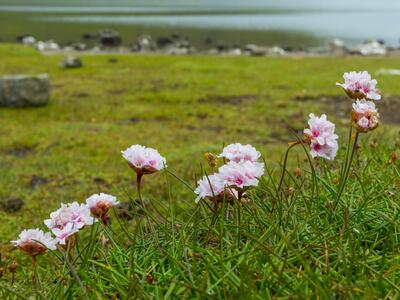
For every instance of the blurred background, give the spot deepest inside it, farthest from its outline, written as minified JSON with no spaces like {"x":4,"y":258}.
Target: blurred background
{"x":287,"y":23}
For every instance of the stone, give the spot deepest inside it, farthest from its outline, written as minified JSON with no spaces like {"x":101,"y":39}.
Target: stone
{"x":109,"y":38}
{"x":71,"y":63}
{"x":28,"y":40}
{"x":144,"y":43}
{"x":164,"y":41}
{"x":79,"y":46}
{"x":176,"y":51}
{"x":47,"y":46}
{"x":12,"y":204}
{"x":255,"y":50}
{"x":337,"y":47}
{"x":373,"y":48}
{"x":24,"y":90}
{"x":276,"y":51}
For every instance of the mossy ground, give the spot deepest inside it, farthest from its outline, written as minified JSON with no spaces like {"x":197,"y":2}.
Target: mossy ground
{"x":182,"y":106}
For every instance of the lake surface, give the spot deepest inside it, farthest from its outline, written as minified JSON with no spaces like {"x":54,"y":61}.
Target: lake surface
{"x":299,"y":23}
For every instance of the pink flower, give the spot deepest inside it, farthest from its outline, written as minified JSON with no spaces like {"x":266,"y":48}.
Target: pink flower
{"x":62,"y":234}
{"x":241,"y":175}
{"x":100,"y":204}
{"x":213,"y":187}
{"x":77,"y":214}
{"x":321,"y":137}
{"x":238,"y":153}
{"x":365,"y":115}
{"x":35,"y":242}
{"x":144,"y":160}
{"x":359,"y":85}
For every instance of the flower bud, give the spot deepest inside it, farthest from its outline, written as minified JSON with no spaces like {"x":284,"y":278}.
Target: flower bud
{"x":297,"y":172}
{"x":12,"y":267}
{"x":211,"y":159}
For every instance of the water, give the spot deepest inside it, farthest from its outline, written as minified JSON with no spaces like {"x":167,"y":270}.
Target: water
{"x":285,"y":22}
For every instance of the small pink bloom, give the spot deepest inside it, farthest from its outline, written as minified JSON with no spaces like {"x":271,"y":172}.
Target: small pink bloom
{"x":365,"y":116}
{"x":64,"y":233}
{"x":77,"y":214}
{"x":241,"y":175}
{"x":100,"y":204}
{"x":321,"y":137}
{"x":35,"y":242}
{"x":213,"y":187}
{"x":360,"y":85}
{"x":144,"y":160}
{"x":238,"y":153}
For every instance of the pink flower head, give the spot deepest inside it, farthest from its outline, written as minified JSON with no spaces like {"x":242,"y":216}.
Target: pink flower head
{"x":365,"y":115}
{"x":213,"y":187}
{"x":75,"y":213}
{"x":64,"y":233}
{"x":144,"y":160}
{"x":100,"y":204}
{"x":35,"y":242}
{"x":321,"y":137}
{"x":238,"y":153}
{"x":360,"y":85}
{"x":241,"y":175}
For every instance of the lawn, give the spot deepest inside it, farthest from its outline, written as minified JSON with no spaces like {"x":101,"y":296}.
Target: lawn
{"x":184,"y":107}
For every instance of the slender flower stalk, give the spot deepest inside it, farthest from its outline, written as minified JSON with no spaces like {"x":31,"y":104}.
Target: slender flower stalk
{"x":347,"y":168}
{"x":320,"y":136}
{"x":291,"y":145}
{"x":143,"y":160}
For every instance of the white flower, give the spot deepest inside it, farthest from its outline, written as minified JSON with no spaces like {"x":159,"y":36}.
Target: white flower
{"x":238,"y":153}
{"x":321,"y":137}
{"x":144,"y":160}
{"x":35,"y":242}
{"x":360,"y":85}
{"x":365,"y":115}
{"x":75,"y":213}
{"x":100,"y":204}
{"x":241,"y":175}
{"x":62,"y":234}
{"x":213,"y":187}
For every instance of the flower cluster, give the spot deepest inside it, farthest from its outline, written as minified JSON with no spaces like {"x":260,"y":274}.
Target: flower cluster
{"x":35,"y":242}
{"x":365,"y":116}
{"x":361,"y":87}
{"x":64,"y":223}
{"x":68,"y":219}
{"x":321,"y":137}
{"x":144,"y":160}
{"x":100,"y":205}
{"x":239,"y":174}
{"x":239,"y":153}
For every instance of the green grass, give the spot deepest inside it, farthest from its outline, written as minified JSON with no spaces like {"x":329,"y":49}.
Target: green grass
{"x":185,"y":106}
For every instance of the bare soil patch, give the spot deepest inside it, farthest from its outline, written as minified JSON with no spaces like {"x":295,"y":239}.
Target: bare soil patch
{"x":232,"y":99}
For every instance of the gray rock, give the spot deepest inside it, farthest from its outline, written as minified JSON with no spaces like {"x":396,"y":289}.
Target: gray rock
{"x":109,"y":38}
{"x":255,"y":50}
{"x":337,"y":47}
{"x":144,"y":43}
{"x":47,"y":46}
{"x":176,"y":51}
{"x":71,"y":63}
{"x":24,"y":90}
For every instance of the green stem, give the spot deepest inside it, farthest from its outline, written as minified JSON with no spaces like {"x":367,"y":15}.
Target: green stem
{"x":240,"y":194}
{"x":285,"y":162}
{"x":346,"y":170}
